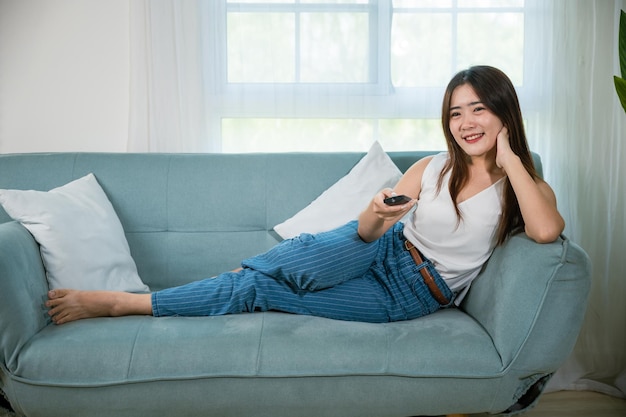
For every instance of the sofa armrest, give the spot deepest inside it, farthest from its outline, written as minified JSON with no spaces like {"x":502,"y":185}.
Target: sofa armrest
{"x":531,"y":299}
{"x":23,"y":288}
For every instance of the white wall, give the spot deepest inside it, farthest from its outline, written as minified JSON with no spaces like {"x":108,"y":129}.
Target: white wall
{"x":64,"y":75}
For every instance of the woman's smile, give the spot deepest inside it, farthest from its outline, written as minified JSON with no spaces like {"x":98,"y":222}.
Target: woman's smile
{"x":473,"y":138}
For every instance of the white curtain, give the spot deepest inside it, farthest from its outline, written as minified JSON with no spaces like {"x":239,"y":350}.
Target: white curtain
{"x":581,"y":137}
{"x":167,"y":100}
{"x":579,"y":129}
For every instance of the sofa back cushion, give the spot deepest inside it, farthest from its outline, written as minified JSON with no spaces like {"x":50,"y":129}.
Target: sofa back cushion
{"x":191,"y":216}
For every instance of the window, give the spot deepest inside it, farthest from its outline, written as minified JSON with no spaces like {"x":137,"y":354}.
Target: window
{"x":335,"y":75}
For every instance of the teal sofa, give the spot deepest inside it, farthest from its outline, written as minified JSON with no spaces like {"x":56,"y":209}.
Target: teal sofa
{"x":493,"y":354}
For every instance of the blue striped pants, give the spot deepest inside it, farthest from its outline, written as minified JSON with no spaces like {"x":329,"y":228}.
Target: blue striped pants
{"x":332,"y":274}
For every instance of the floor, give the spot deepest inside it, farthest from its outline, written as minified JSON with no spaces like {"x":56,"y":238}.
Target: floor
{"x":557,"y":404}
{"x":575,"y":404}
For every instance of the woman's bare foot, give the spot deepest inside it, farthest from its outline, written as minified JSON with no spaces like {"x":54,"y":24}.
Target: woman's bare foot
{"x":69,"y":305}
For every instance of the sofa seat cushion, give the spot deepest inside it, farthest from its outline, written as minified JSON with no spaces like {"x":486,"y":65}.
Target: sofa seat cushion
{"x":134,"y":349}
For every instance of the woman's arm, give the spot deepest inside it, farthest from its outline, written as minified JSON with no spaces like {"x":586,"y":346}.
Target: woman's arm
{"x":378,"y":217}
{"x":536,"y":199}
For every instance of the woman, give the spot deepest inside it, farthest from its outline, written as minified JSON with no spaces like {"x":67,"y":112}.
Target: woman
{"x":376,"y":269}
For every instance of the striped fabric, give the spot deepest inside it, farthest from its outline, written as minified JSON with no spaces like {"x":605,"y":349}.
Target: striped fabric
{"x":332,"y":274}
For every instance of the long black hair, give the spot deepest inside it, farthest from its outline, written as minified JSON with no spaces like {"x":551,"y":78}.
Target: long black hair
{"x":497,"y":93}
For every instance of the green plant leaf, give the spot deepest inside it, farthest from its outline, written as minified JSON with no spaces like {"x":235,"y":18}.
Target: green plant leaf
{"x":620,"y":87}
{"x":622,"y":43}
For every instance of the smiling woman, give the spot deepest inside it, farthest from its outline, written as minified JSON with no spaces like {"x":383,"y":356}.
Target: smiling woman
{"x":481,"y":103}
{"x":80,"y":101}
{"x":362,"y":270}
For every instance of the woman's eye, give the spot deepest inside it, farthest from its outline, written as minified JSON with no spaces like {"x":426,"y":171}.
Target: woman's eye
{"x":478,"y":109}
{"x":454,"y":114}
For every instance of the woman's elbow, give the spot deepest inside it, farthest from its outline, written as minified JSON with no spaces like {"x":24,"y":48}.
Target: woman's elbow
{"x":546,"y":234}
{"x":544,"y":238}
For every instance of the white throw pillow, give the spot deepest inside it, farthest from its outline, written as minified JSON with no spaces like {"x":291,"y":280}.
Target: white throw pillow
{"x":81,"y":239}
{"x":345,"y":199}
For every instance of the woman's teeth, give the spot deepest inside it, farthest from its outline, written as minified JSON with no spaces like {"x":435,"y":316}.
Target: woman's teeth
{"x":473,"y":138}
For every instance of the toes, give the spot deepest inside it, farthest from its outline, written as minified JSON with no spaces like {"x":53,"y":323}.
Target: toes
{"x":54,"y":294}
{"x":53,"y":311}
{"x":53,"y":303}
{"x":59,"y":317}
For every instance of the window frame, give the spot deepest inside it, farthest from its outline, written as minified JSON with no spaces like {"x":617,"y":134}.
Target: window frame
{"x":377,"y":99}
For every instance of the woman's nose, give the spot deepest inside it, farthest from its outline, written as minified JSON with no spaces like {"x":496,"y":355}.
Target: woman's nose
{"x":467,"y":122}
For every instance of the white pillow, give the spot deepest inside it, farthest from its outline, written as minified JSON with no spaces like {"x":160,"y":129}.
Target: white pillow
{"x":345,"y":199}
{"x":81,"y":239}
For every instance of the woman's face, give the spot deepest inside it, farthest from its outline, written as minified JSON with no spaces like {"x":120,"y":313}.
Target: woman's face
{"x":474,"y":127}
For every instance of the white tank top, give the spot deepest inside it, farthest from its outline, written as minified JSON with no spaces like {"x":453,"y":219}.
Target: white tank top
{"x":457,"y":249}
